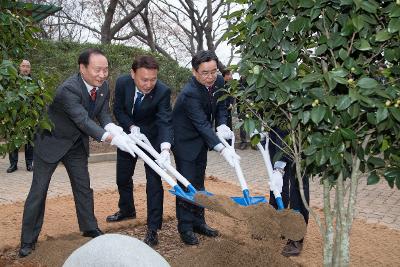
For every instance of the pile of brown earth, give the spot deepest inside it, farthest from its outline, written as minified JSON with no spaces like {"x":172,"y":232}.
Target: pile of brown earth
{"x":250,"y":236}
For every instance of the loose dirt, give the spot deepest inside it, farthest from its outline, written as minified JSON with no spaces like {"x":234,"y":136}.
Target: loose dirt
{"x":238,"y":244}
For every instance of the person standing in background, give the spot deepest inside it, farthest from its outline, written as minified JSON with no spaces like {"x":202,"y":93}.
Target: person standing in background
{"x":230,"y":100}
{"x":25,"y":71}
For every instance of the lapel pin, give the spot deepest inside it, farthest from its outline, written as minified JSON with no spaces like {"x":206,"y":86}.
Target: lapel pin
{"x":101,"y":94}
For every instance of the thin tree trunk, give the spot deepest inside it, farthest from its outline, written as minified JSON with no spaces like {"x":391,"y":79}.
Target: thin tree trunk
{"x":340,"y":222}
{"x":328,"y":234}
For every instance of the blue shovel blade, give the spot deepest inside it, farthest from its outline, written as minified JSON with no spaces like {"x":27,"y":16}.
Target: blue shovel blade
{"x":249,"y":201}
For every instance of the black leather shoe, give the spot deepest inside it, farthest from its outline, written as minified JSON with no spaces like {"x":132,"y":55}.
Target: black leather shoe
{"x":93,"y":233}
{"x":189,"y":238}
{"x":206,"y":230}
{"x":29,"y":167}
{"x":12,"y":168}
{"x":119,"y":216}
{"x":292,"y":248}
{"x":26,"y":249}
{"x":151,"y":238}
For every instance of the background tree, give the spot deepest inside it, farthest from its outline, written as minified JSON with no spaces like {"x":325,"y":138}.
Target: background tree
{"x":22,"y":100}
{"x":328,"y":72}
{"x":176,"y":29}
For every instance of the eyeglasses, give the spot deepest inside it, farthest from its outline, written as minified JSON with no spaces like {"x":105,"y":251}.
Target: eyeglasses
{"x":206,"y":74}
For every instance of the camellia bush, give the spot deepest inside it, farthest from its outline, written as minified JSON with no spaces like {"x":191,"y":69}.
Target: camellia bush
{"x":328,"y":73}
{"x":22,"y":100}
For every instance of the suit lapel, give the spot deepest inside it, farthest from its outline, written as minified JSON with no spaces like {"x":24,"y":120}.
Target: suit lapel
{"x":100,"y":96}
{"x":85,"y":94}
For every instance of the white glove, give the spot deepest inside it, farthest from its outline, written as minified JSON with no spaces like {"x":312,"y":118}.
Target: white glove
{"x":135,"y":129}
{"x":225,"y":132}
{"x":165,"y":159}
{"x":230,"y":156}
{"x":276,"y":182}
{"x":123,"y":142}
{"x":113,"y":129}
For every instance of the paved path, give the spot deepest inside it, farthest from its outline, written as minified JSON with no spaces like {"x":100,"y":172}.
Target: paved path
{"x":377,"y":204}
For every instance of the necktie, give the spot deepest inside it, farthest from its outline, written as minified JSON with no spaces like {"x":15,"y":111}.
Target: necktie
{"x":138,"y":100}
{"x":93,"y":94}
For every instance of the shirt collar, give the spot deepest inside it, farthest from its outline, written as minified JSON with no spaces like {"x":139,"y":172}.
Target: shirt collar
{"x":88,"y":86}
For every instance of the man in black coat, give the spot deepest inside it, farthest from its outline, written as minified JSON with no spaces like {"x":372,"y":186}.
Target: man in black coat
{"x":195,"y":111}
{"x":80,"y":100}
{"x":291,"y":195}
{"x":142,"y":103}
{"x":24,"y":70}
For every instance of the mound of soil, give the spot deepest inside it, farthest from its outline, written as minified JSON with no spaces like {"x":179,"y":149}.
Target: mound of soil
{"x":239,"y":243}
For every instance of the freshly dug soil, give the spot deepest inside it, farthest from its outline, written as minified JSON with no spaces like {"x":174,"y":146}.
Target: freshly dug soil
{"x":262,"y":220}
{"x":371,"y":244}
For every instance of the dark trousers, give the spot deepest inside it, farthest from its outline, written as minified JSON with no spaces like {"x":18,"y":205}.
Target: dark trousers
{"x":290,"y":190}
{"x":188,"y":214}
{"x":13,"y":156}
{"x":76,"y":164}
{"x":154,"y":190}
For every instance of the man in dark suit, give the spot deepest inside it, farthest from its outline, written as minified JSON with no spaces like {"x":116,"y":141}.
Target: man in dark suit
{"x":195,"y":111}
{"x":142,"y":104}
{"x":24,"y":70}
{"x":77,"y":102}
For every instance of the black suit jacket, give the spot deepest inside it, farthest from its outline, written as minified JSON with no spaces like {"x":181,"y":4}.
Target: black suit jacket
{"x":69,"y":112}
{"x":193,"y":117}
{"x":154,"y":115}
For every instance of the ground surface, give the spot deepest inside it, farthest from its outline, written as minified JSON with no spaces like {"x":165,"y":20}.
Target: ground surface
{"x":372,"y":245}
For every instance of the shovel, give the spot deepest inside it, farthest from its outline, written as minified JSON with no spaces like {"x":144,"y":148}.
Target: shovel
{"x":291,"y":221}
{"x":134,"y":149}
{"x":280,"y":165}
{"x":143,"y":142}
{"x":246,"y":200}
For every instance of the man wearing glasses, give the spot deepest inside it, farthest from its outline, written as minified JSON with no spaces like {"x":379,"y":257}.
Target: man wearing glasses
{"x":195,"y":111}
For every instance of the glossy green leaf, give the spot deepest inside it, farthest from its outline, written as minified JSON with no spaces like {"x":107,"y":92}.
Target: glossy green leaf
{"x":343,"y":54}
{"x":305,"y":117}
{"x":382,"y":36}
{"x":317,"y":114}
{"x":369,"y":6}
{"x":395,"y":12}
{"x":343,"y":102}
{"x":292,"y":56}
{"x":348,"y":134}
{"x":321,"y":157}
{"x":377,"y":162}
{"x":373,"y":178}
{"x":395,"y":113}
{"x":367,"y":83}
{"x":312,"y":77}
{"x":321,"y":49}
{"x":310,"y":150}
{"x":306,"y":3}
{"x":394,"y":25}
{"x":381,"y":114}
{"x":362,"y":45}
{"x":358,"y":23}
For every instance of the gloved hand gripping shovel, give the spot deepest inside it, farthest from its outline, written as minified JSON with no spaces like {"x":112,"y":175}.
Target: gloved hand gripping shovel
{"x":143,"y":142}
{"x":275,"y":175}
{"x":129,"y":145}
{"x":246,"y":200}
